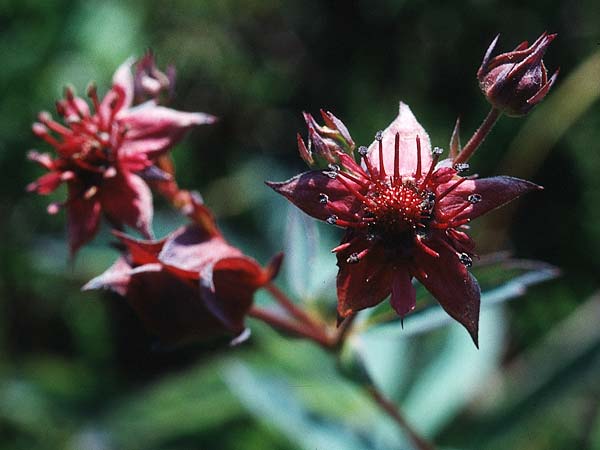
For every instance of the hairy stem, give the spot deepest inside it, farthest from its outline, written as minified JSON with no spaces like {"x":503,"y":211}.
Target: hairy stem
{"x":392,"y":410}
{"x":479,"y":136}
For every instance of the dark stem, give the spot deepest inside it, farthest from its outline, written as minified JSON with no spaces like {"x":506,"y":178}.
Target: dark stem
{"x":390,"y":408}
{"x":342,"y":331}
{"x":292,"y":309}
{"x":479,"y":136}
{"x":298,"y":329}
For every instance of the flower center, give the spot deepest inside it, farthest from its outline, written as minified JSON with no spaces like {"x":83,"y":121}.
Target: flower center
{"x":398,"y":209}
{"x":397,"y":206}
{"x":88,"y":140}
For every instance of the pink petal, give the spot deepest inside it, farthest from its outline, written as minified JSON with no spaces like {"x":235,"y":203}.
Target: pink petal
{"x":115,"y":278}
{"x":409,"y":128}
{"x":83,"y":218}
{"x":494,"y":192}
{"x":123,"y":78}
{"x":191,"y":248}
{"x":126,"y":199}
{"x":153,"y":130}
{"x":404,"y":296}
{"x":363,"y":284}
{"x":451,"y":284}
{"x":306,"y":192}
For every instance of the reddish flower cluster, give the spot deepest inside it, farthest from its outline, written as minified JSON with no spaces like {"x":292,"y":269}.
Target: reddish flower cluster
{"x":405,"y":213}
{"x":189,"y":285}
{"x":104,"y":152}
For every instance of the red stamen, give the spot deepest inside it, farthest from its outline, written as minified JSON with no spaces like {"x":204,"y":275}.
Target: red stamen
{"x":418,"y":171}
{"x":355,"y":192}
{"x":397,"y":158}
{"x":41,"y":131}
{"x":426,"y":248}
{"x":382,"y":173}
{"x":354,"y":179}
{"x":46,"y":119}
{"x":452,"y":187}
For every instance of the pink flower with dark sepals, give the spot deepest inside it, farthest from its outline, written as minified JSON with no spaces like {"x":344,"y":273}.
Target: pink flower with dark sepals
{"x":103,"y":153}
{"x":405,"y":213}
{"x":516,"y":81}
{"x":191,"y":285}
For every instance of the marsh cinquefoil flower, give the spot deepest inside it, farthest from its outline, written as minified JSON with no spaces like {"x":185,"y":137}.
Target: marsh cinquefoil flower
{"x":191,"y":285}
{"x":102,"y":154}
{"x":514,"y":82}
{"x":405,"y":213}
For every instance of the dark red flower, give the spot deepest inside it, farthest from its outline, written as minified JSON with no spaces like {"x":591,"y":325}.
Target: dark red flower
{"x":102,"y":154}
{"x":405,"y":214}
{"x":516,"y":81}
{"x":191,"y":285}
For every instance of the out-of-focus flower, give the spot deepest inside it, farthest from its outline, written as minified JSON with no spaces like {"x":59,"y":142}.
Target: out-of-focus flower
{"x":516,"y":81}
{"x":191,"y":285}
{"x":150,"y":82}
{"x":103,"y":154}
{"x":326,"y":142}
{"x":405,"y":216}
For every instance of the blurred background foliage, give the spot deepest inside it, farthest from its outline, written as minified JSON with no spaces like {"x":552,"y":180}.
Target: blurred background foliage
{"x":77,"y":370}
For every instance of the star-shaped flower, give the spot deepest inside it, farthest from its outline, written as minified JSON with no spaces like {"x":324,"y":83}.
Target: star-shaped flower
{"x":405,"y":213}
{"x":103,"y":153}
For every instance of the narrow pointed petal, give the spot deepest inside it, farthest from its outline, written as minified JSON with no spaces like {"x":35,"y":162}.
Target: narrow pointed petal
{"x":404,"y":296}
{"x":83,"y":218}
{"x":123,"y":78}
{"x":155,"y":129}
{"x":305,"y":191}
{"x":494,"y":192}
{"x":452,"y":285}
{"x":126,"y":199}
{"x":455,"y":146}
{"x":46,"y":184}
{"x":363,"y":284}
{"x":409,"y":128}
{"x":115,"y":278}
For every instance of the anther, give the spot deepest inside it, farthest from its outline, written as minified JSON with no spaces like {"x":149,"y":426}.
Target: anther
{"x":334,"y":167}
{"x":474,"y":198}
{"x":461,"y":167}
{"x":331,"y":174}
{"x":362,"y":150}
{"x":379,"y":135}
{"x":323,"y":199}
{"x":437,"y":151}
{"x":353,"y":258}
{"x":332,"y":220}
{"x":465,"y":260}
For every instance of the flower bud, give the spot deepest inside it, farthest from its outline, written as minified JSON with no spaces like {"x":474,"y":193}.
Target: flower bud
{"x":150,"y":82}
{"x":325,"y":142}
{"x":516,"y":81}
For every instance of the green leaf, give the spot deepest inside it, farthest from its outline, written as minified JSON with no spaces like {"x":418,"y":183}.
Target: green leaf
{"x":273,"y":402}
